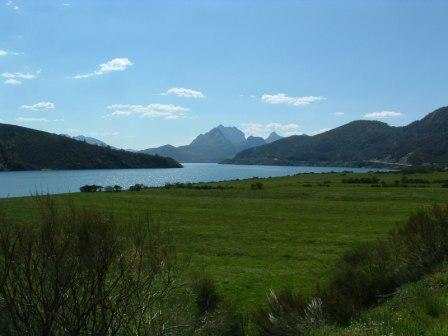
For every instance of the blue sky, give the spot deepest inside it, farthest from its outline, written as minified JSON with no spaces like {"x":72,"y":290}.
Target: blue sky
{"x":138,"y":74}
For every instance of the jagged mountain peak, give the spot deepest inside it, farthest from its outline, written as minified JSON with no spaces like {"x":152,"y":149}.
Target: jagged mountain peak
{"x":221,"y":133}
{"x":273,"y":137}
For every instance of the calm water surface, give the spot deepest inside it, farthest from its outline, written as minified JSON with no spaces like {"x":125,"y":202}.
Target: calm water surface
{"x":14,"y":184}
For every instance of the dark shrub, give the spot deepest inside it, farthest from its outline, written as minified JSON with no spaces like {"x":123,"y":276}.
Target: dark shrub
{"x":71,"y":272}
{"x":90,"y":188}
{"x":361,"y":180}
{"x":257,"y":186}
{"x":214,"y":315}
{"x":206,"y":295}
{"x":136,"y":187}
{"x":225,"y":321}
{"x":117,"y":188}
{"x":407,"y":180}
{"x":288,"y":313}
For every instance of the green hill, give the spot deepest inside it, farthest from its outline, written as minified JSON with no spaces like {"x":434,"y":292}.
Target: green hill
{"x":422,"y":142}
{"x":27,"y":149}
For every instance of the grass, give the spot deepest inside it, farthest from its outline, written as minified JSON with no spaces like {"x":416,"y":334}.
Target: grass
{"x":287,"y":235}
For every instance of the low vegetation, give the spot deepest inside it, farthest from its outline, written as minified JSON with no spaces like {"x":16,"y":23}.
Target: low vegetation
{"x":363,"y":277}
{"x":75,"y":272}
{"x":283,"y":239}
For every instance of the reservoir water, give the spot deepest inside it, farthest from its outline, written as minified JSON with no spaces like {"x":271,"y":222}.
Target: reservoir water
{"x":13,"y":184}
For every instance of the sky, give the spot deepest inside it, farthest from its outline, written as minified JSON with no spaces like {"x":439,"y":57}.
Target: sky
{"x":139,"y":74}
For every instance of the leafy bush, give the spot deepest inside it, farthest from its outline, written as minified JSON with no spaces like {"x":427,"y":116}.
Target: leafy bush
{"x":90,"y":188}
{"x":108,"y":189}
{"x":115,"y":188}
{"x":71,"y":272}
{"x":137,"y":187}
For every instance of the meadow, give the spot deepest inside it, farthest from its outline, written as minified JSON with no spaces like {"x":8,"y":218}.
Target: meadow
{"x":284,"y":233}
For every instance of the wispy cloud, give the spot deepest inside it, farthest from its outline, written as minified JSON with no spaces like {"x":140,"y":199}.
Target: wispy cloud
{"x":339,"y":113}
{"x":11,"y":4}
{"x":383,"y":115}
{"x":166,"y":111}
{"x":31,"y":120}
{"x":6,"y":52}
{"x":281,"y":98}
{"x":257,"y":129}
{"x":37,"y":120}
{"x":16,"y":78}
{"x":183,"y":92}
{"x":41,"y":106}
{"x":116,"y":64}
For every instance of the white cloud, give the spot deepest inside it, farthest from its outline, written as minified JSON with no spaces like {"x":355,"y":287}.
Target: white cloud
{"x":16,"y":78}
{"x":3,"y":53}
{"x":12,"y":81}
{"x":383,"y":115}
{"x":26,"y":120}
{"x":20,"y":75}
{"x":256,"y":129}
{"x":116,"y":64}
{"x":167,"y":111}
{"x":39,"y":106}
{"x":339,"y":113}
{"x":281,"y":98}
{"x":183,"y":92}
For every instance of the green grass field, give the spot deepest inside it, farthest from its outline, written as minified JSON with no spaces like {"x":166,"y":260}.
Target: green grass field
{"x":288,"y":234}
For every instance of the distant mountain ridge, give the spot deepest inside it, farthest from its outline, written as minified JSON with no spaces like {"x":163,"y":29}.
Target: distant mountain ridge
{"x":90,"y":140}
{"x":422,"y":142}
{"x":218,"y":144}
{"x":23,"y":148}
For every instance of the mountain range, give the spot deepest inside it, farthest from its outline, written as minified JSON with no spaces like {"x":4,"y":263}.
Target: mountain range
{"x":28,"y":149}
{"x":218,"y":144}
{"x":358,"y":143}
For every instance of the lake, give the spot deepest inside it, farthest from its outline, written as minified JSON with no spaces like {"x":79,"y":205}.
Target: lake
{"x":13,"y":184}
